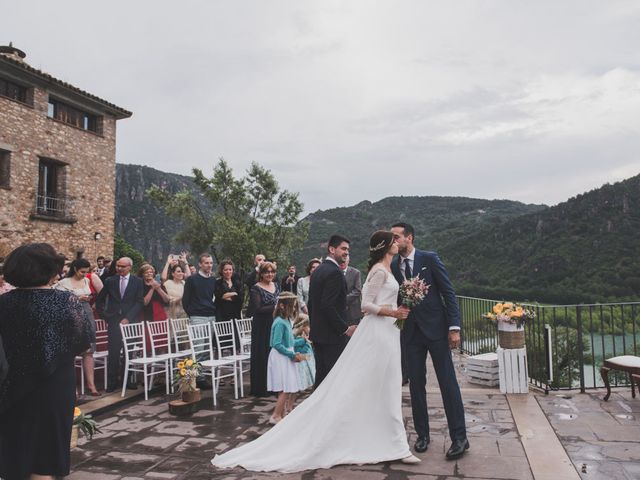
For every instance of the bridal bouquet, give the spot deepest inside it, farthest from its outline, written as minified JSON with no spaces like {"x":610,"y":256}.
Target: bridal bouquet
{"x":412,"y":292}
{"x":509,"y":312}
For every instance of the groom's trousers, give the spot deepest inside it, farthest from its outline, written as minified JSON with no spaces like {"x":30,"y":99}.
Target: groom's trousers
{"x":417,"y":348}
{"x":326,"y":356}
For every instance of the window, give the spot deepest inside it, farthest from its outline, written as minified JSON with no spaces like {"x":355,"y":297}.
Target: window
{"x":73,"y":116}
{"x":14,"y":91}
{"x":5,"y":169}
{"x":51,"y":199}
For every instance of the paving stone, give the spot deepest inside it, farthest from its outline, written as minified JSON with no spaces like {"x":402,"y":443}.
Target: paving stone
{"x":158,"y":442}
{"x":87,"y":475}
{"x":475,"y":465}
{"x":121,"y":462}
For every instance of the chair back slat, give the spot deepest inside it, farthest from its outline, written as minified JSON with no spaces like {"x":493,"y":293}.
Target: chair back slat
{"x":243,"y":327}
{"x":200,"y":340}
{"x":102,"y":336}
{"x":159,"y":335}
{"x":224,"y":338}
{"x":134,"y":339}
{"x":179,"y":327}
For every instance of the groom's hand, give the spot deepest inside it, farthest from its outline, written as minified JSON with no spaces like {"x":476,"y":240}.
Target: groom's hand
{"x":350,"y":330}
{"x":454,"y":339}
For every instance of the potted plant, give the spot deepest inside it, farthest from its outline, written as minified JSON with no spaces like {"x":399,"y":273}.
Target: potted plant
{"x":185,"y":380}
{"x":510,"y":319}
{"x":82,"y":423}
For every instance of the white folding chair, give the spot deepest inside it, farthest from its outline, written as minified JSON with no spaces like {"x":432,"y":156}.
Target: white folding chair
{"x":227,"y":350}
{"x":158,"y":331}
{"x":99,"y":356}
{"x":136,"y":359}
{"x":201,"y":344}
{"x":243,"y":327}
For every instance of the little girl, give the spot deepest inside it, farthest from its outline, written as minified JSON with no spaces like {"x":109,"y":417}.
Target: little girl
{"x":282,"y":374}
{"x":307,"y":367}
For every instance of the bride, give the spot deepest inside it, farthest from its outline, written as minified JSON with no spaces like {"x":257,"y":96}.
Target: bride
{"x":355,"y":415}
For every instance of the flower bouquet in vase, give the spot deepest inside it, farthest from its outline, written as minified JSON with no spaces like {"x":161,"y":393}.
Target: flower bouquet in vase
{"x":510,"y":319}
{"x":412,"y":292}
{"x":185,"y":380}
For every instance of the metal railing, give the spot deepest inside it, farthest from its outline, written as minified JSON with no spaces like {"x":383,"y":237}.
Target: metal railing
{"x":52,"y":206}
{"x":582,"y":336}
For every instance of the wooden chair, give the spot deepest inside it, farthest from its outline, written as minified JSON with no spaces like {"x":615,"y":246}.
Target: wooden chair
{"x":158,"y":331}
{"x":137,"y":360}
{"x":202,"y":345}
{"x":243,"y":327}
{"x":623,"y":363}
{"x":226,"y":344}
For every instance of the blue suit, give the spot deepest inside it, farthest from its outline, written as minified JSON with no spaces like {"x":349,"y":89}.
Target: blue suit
{"x":426,"y":330}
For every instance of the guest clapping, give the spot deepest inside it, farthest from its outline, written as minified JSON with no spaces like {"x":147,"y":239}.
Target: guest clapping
{"x":290,"y":282}
{"x":42,"y":331}
{"x":263,"y":298}
{"x":228,"y":292}
{"x":174,"y":286}
{"x":155,"y":298}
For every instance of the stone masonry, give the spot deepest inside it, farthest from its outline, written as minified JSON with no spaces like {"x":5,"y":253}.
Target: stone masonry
{"x":84,"y":160}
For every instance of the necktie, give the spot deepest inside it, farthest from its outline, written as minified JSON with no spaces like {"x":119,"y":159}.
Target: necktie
{"x":407,"y":269}
{"x":123,"y":286}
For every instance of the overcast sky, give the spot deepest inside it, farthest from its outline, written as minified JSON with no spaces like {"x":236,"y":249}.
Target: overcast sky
{"x":352,"y":100}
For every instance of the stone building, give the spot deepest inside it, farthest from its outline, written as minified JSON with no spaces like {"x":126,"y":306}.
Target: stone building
{"x":57,"y":162}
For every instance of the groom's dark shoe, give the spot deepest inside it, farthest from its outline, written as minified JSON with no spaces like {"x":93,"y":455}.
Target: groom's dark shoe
{"x":422,"y":443}
{"x":458,"y":447}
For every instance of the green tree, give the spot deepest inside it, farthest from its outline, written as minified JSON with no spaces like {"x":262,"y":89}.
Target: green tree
{"x":123,"y":249}
{"x":237,"y":217}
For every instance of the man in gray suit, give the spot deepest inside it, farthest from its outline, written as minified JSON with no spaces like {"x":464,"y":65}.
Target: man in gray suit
{"x":354,"y":291}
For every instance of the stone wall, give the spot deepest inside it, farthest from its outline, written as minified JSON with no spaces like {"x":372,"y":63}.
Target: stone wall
{"x":89,"y":174}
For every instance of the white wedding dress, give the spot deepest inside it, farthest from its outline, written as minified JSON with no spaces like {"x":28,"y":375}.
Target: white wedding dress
{"x":355,"y":415}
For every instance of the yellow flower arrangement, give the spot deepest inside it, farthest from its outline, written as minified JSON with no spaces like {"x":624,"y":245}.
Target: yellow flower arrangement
{"x":186,"y":375}
{"x":85,"y":423}
{"x":509,"y":312}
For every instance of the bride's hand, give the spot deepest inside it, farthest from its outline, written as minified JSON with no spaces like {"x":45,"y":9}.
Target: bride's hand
{"x":402,"y":313}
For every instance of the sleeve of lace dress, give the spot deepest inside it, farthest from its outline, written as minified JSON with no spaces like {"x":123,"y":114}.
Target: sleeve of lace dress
{"x":372,"y":287}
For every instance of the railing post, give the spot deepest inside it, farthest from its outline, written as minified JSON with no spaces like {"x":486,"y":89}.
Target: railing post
{"x":580,"y":346}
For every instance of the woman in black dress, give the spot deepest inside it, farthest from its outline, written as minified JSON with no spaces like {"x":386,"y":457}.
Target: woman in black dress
{"x":42,"y":331}
{"x":228,"y":292}
{"x":262,"y":300}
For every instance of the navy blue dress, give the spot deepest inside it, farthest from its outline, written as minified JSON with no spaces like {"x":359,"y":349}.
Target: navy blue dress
{"x":261,"y":306}
{"x":42,"y":331}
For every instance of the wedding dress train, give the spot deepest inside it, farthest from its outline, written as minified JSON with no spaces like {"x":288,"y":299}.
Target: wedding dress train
{"x":355,"y":415}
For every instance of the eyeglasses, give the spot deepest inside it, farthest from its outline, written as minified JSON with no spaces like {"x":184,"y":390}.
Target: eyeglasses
{"x":269,"y":271}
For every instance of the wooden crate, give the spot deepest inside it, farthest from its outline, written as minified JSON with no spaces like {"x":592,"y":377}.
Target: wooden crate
{"x":514,"y":375}
{"x":483,"y":369}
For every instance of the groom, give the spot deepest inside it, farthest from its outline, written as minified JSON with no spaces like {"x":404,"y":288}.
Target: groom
{"x":432,"y":327}
{"x":328,"y":308}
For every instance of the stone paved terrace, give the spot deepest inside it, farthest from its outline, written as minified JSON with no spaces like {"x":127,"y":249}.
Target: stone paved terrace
{"x":141,"y":440}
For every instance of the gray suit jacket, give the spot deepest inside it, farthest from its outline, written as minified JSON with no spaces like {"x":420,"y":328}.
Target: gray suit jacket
{"x":354,"y":291}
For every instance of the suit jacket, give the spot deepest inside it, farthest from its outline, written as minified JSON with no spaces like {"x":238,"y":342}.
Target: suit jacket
{"x":328,"y":304}
{"x":439,"y":310}
{"x":354,"y":291}
{"x":112,"y":307}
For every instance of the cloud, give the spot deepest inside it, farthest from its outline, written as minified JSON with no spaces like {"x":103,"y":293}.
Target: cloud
{"x":346,"y":101}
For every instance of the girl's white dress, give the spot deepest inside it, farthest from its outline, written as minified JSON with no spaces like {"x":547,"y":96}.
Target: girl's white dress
{"x":355,"y":415}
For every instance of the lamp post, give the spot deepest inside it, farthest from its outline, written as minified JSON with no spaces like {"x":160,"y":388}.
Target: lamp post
{"x":96,"y":236}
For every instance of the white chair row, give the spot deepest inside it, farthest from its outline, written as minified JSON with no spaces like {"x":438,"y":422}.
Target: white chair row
{"x":187,"y":341}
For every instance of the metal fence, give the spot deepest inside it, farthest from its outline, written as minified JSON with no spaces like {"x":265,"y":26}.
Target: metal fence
{"x":582,"y":336}
{"x":52,"y":206}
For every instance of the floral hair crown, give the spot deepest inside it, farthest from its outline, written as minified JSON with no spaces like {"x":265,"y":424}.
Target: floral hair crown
{"x":379,"y":246}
